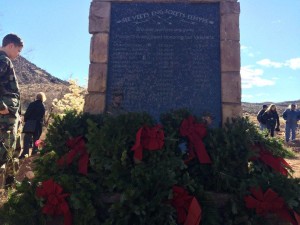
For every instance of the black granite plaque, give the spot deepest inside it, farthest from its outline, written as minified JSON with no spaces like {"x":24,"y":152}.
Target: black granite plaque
{"x":165,"y":56}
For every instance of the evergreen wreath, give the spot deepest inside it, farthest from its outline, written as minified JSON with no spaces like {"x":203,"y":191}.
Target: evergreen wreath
{"x":120,"y":188}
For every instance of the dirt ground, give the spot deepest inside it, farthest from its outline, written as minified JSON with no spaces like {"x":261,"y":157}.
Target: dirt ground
{"x":24,"y":169}
{"x":295,"y":162}
{"x":294,"y":146}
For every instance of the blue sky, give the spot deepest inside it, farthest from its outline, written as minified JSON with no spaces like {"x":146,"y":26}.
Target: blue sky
{"x":270,"y":50}
{"x":55,"y":34}
{"x":56,"y":39}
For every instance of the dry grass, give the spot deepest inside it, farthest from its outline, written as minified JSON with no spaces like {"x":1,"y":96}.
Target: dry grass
{"x":3,"y":197}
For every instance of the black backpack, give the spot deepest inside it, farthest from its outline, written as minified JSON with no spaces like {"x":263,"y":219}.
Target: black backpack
{"x":261,"y":118}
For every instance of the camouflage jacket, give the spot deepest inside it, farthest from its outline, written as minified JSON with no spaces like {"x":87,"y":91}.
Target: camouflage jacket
{"x":9,"y":88}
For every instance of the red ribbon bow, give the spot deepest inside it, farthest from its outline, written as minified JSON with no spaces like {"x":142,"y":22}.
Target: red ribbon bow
{"x":195,"y":132}
{"x":187,"y":207}
{"x":277,"y":163}
{"x":77,"y":146}
{"x":268,"y":202}
{"x":264,"y":202}
{"x":55,"y":201}
{"x":297,"y":217}
{"x":148,"y":138}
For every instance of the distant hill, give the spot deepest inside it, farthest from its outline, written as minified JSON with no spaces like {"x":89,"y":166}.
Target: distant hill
{"x":29,"y":73}
{"x":253,"y":108}
{"x":33,"y":79}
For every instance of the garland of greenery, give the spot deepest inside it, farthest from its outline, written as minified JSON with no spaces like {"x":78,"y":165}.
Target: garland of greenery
{"x":118,"y":191}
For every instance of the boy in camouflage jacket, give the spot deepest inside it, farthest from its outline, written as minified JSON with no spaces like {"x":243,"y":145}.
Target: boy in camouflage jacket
{"x":9,"y":94}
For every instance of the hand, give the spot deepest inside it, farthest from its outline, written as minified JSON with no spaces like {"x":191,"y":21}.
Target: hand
{"x":4,"y":112}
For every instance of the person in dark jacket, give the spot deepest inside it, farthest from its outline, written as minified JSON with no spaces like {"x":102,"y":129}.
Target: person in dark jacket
{"x":291,"y":116}
{"x":36,"y":112}
{"x":272,"y":119}
{"x":262,"y":123}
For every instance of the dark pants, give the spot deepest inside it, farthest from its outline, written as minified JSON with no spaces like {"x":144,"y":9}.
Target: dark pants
{"x":29,"y":140}
{"x":271,"y":129}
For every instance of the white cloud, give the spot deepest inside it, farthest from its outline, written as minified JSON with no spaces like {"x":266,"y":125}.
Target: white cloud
{"x":247,"y":50}
{"x":243,"y":47}
{"x":275,"y":78}
{"x":293,"y":63}
{"x":269,"y":63}
{"x":252,"y":77}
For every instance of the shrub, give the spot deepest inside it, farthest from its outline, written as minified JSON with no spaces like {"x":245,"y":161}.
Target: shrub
{"x":119,"y":189}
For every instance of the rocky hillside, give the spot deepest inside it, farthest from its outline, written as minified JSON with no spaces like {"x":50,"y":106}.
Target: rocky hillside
{"x":253,"y":108}
{"x":29,"y":73}
{"x":33,"y":79}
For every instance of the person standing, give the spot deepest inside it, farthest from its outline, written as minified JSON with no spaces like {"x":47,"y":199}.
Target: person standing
{"x":9,"y":94}
{"x":35,"y":112}
{"x":291,"y":117}
{"x":262,"y":122}
{"x":272,"y":119}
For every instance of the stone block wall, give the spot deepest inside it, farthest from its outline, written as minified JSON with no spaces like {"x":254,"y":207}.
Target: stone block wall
{"x":99,"y":27}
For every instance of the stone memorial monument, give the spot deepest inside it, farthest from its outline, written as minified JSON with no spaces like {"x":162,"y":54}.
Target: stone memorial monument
{"x":163,"y":55}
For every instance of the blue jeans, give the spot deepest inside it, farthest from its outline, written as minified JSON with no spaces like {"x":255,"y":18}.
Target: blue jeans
{"x":288,"y":129}
{"x":262,"y":126}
